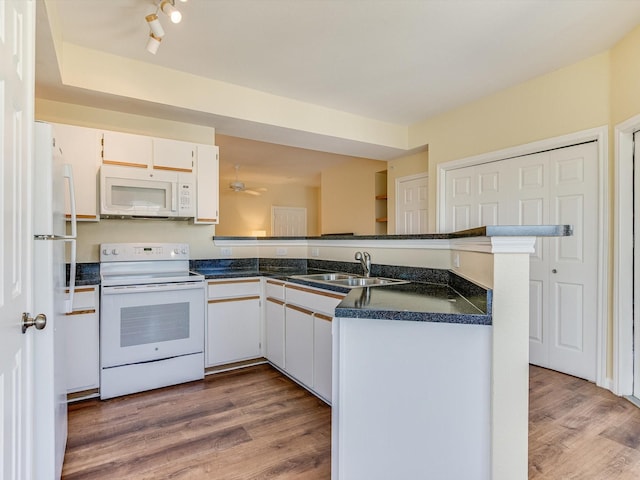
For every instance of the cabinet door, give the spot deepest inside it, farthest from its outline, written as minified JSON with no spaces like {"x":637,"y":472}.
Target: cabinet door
{"x":173,"y":155}
{"x":322,"y":355}
{"x":126,"y":149}
{"x":82,"y":342}
{"x":233,"y":330}
{"x":207,"y":184}
{"x":275,"y":331}
{"x":299,"y":344}
{"x":80,"y":147}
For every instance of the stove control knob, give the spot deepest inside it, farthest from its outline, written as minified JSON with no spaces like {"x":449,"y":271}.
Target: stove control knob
{"x":115,"y":251}
{"x":176,"y":251}
{"x":184,"y":251}
{"x":106,"y":251}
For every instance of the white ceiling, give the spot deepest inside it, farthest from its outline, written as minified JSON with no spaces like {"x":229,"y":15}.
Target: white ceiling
{"x":398,"y":61}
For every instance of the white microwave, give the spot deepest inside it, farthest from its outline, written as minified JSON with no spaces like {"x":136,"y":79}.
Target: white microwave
{"x":129,"y":192}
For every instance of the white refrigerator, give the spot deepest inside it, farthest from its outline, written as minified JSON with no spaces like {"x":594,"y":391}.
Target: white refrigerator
{"x":51,"y":179}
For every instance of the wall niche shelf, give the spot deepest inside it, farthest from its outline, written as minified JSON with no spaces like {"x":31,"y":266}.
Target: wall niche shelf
{"x":381,"y":202}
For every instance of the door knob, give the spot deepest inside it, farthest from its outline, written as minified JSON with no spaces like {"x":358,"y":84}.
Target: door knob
{"x":39,"y":322}
{"x":554,"y":271}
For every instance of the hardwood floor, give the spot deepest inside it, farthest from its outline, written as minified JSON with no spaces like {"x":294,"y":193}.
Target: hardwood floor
{"x":257,"y":424}
{"x":246,"y":424}
{"x":580,"y":431}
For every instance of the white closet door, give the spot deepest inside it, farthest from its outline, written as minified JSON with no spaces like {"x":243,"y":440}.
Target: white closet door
{"x":531,"y":208}
{"x":493,"y":185}
{"x":460,"y":200}
{"x":554,"y":187}
{"x":573,"y":261}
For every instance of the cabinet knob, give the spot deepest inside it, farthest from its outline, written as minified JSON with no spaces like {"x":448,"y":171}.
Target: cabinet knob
{"x":554,"y":271}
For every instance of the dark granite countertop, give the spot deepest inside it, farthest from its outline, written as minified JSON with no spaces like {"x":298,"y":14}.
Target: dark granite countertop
{"x":487,"y":231}
{"x":417,"y":302}
{"x":433,"y":295}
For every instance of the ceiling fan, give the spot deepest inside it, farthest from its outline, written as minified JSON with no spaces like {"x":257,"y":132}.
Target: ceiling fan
{"x":238,"y":186}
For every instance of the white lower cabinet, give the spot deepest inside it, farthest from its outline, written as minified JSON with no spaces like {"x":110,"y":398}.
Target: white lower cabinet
{"x":322,"y":349}
{"x":274,"y":320}
{"x":233,"y":321}
{"x":308,"y":316}
{"x":82,"y":342}
{"x":299,"y":344}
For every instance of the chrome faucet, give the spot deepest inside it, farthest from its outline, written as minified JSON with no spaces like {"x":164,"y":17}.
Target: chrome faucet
{"x":365,"y":261}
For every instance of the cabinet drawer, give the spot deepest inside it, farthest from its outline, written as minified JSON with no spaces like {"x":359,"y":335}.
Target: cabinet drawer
{"x":274,"y":289}
{"x":84,"y":298}
{"x":237,"y":287}
{"x":316,"y":300}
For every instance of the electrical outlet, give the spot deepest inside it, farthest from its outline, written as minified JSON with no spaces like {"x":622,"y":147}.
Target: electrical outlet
{"x":225,"y":251}
{"x":456,"y":260}
{"x":315,"y":252}
{"x":281,"y":251}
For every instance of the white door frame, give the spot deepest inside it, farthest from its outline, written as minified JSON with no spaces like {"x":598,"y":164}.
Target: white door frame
{"x":407,"y":178}
{"x":622,"y":251}
{"x":600,"y":134}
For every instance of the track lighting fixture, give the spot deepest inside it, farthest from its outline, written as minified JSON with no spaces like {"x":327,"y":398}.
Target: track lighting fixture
{"x":168,"y":7}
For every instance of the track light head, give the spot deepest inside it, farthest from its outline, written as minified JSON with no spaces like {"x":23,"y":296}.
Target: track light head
{"x":170,"y":11}
{"x":155,"y":25}
{"x":153,"y":43}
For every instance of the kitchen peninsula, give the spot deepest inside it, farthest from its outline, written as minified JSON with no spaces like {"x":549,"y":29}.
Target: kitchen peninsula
{"x":378,"y":387}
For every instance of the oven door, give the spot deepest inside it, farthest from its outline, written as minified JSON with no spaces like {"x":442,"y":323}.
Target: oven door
{"x":150,"y":322}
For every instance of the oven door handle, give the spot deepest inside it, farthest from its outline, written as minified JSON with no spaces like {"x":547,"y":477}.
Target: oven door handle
{"x":159,"y":287}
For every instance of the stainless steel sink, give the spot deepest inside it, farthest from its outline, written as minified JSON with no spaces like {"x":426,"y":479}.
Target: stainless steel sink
{"x":347,"y":280}
{"x":325,"y":277}
{"x":367,"y":282}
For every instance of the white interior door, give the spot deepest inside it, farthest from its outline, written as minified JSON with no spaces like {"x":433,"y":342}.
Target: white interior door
{"x":288,"y":221}
{"x":411,"y":201}
{"x":17,"y":19}
{"x":572,"y":331}
{"x":555,"y":187}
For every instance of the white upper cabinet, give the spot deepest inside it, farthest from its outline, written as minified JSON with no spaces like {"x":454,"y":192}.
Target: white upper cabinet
{"x":86,"y":149}
{"x":80,"y":147}
{"x":126,"y":149}
{"x":173,"y":155}
{"x":207,"y":184}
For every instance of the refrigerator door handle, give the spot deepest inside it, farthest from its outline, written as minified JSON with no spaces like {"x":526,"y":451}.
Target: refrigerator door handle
{"x":68,"y":174}
{"x":72,"y":276}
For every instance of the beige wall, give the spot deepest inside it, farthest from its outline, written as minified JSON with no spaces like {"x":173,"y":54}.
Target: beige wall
{"x":241,"y":214}
{"x":398,"y":168}
{"x":347,"y":202}
{"x":625,"y":78}
{"x":571,"y":99}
